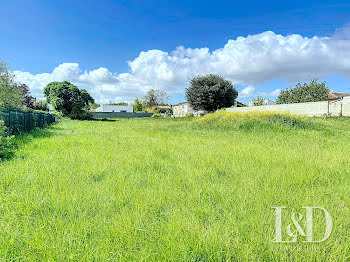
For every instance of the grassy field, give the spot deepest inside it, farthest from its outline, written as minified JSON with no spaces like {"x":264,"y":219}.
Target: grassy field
{"x":174,"y":189}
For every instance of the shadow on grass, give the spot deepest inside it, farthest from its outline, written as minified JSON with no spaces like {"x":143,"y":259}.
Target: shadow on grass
{"x":49,"y":131}
{"x":10,"y":145}
{"x":105,"y":120}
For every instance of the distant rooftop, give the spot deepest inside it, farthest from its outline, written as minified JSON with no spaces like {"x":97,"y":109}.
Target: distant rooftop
{"x":334,"y":96}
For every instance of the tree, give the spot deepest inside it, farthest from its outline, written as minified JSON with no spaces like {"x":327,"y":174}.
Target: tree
{"x":41,"y":105}
{"x":10,"y":94}
{"x":155,"y":97}
{"x":307,"y":92}
{"x":120,"y":104}
{"x":210,"y":92}
{"x":258,"y":101}
{"x":94,"y":106}
{"x":68,"y":99}
{"x":137,"y":105}
{"x":28,"y":100}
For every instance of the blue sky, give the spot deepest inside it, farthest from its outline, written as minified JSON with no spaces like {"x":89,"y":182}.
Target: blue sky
{"x":84,"y":36}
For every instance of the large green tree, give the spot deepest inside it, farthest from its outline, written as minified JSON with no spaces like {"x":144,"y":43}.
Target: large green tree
{"x":68,"y":99}
{"x":10,"y":95}
{"x":306,"y":92}
{"x":210,"y":92}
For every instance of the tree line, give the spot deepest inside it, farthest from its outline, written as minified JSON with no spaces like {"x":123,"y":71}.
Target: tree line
{"x":313,"y":91}
{"x":14,"y":95}
{"x":207,"y":92}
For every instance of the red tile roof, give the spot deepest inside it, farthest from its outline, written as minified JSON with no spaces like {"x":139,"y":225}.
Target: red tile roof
{"x":333,"y":96}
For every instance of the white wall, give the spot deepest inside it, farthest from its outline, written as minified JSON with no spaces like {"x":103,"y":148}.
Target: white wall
{"x":323,"y":108}
{"x":114,"y":108}
{"x":346,"y":106}
{"x":183,"y":109}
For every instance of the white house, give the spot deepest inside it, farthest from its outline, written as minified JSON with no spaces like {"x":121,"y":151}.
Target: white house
{"x":114,"y":108}
{"x":265,"y":102}
{"x":182,"y":109}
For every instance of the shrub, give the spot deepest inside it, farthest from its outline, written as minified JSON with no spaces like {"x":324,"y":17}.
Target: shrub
{"x":156,"y":115}
{"x":41,"y":106}
{"x":169,"y":112}
{"x":7,"y":146}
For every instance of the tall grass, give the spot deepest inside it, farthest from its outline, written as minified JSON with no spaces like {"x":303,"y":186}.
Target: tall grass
{"x":256,"y":119}
{"x":172,"y":190}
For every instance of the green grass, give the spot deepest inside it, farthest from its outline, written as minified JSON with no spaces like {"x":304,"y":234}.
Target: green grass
{"x":174,"y":190}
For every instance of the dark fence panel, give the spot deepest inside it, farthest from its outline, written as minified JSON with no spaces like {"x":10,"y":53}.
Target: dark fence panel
{"x":103,"y":115}
{"x":18,"y":121}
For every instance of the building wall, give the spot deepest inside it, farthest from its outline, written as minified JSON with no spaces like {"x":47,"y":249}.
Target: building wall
{"x":114,"y":108}
{"x":346,"y":106}
{"x":182,"y":110}
{"x":323,"y":108}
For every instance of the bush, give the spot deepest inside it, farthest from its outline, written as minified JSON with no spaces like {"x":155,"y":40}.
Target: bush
{"x":41,"y":106}
{"x":156,"y":115}
{"x":169,"y":112}
{"x":7,"y":146}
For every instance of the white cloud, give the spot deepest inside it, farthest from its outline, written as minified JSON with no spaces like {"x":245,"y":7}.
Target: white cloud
{"x":250,"y":91}
{"x":270,"y":94}
{"x":249,"y":60}
{"x":247,"y":92}
{"x":275,"y":92}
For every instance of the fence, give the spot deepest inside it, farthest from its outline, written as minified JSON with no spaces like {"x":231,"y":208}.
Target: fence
{"x":19,"y":121}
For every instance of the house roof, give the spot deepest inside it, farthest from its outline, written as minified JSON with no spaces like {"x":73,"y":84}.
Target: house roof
{"x":333,"y":96}
{"x":240,"y":104}
{"x":182,"y":103}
